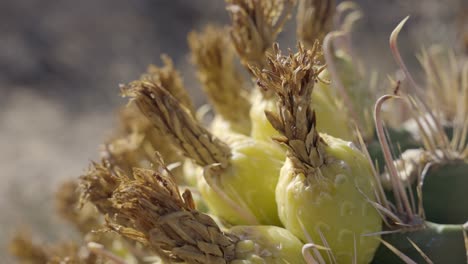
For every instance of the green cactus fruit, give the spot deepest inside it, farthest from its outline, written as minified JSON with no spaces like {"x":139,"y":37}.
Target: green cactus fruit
{"x":266,"y":244}
{"x":355,"y":85}
{"x":331,"y":202}
{"x":249,"y":182}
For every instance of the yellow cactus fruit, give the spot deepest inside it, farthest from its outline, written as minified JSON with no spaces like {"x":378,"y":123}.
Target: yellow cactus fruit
{"x":325,"y":182}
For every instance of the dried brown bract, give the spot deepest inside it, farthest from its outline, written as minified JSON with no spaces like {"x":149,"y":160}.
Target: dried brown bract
{"x":292,"y":78}
{"x":213,"y":55}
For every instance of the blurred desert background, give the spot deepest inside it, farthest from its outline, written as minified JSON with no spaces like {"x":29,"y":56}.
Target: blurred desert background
{"x":61,"y":62}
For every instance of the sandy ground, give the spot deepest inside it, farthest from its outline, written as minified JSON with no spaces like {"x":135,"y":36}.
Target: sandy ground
{"x":61,"y":63}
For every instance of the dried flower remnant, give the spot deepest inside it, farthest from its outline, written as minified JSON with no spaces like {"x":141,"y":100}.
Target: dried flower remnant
{"x":285,"y":70}
{"x":255,"y":26}
{"x":166,"y":221}
{"x":174,"y":120}
{"x":323,"y":178}
{"x":83,"y":216}
{"x":168,"y":77}
{"x":213,"y":55}
{"x":293,"y":79}
{"x":136,"y":143}
{"x":97,"y":186}
{"x":314,"y":20}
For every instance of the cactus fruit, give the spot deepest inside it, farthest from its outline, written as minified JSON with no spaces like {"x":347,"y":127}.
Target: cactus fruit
{"x":324,"y":180}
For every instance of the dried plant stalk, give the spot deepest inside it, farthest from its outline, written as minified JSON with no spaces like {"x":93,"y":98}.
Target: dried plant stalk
{"x":213,"y":54}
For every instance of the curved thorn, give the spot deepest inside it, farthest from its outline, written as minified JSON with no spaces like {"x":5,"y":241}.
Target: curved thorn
{"x":397,"y":56}
{"x":400,"y":195}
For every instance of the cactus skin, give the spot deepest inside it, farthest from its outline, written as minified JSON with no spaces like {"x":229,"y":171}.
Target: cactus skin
{"x":332,"y":203}
{"x":445,"y":193}
{"x":266,"y":244}
{"x":441,"y":243}
{"x":250,"y":181}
